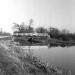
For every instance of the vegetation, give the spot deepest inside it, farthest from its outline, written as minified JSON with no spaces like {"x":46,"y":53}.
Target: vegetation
{"x":4,"y":34}
{"x":22,"y":28}
{"x":41,"y":30}
{"x":17,"y":61}
{"x":57,"y":37}
{"x":63,"y":35}
{"x":54,"y":33}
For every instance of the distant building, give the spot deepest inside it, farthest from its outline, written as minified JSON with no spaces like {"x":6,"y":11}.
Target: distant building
{"x":4,"y":35}
{"x":30,"y":34}
{"x":26,"y":36}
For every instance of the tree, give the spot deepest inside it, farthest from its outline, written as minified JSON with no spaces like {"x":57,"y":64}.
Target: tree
{"x":64,"y":31}
{"x":22,"y":28}
{"x":41,"y":30}
{"x":19,"y":27}
{"x":30,"y":29}
{"x":53,"y":32}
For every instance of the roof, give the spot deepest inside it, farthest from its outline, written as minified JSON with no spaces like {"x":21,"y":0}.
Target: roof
{"x":31,"y":34}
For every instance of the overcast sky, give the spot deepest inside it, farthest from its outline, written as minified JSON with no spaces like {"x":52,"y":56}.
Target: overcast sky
{"x":46,"y":13}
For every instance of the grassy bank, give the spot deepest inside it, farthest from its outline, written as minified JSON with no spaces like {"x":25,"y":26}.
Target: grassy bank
{"x":55,"y":43}
{"x":16,"y":61}
{"x":49,"y":41}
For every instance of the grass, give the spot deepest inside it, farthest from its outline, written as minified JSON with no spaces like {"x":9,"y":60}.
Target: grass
{"x":15,"y":61}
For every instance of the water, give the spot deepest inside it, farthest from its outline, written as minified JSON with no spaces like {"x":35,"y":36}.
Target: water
{"x":64,"y":57}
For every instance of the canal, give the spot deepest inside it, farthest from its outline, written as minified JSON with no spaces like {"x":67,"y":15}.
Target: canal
{"x":59,"y":56}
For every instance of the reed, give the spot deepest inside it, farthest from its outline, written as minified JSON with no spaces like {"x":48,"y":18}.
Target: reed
{"x":16,"y":61}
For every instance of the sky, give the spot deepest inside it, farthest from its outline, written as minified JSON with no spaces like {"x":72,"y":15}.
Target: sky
{"x":46,"y":13}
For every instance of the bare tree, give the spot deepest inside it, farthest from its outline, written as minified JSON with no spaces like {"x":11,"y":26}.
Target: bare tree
{"x":22,"y":28}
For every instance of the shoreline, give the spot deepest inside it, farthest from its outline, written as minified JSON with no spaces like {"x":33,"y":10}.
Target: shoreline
{"x":24,"y":63}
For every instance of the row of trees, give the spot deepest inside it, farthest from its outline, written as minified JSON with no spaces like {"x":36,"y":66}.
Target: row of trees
{"x":23,"y":28}
{"x":54,"y":33}
{"x":63,"y":35}
{"x":2,"y":33}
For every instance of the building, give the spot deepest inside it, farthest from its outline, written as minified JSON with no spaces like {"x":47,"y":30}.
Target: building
{"x":25,"y":36}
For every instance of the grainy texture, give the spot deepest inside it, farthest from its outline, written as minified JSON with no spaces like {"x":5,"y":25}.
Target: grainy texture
{"x":16,"y":61}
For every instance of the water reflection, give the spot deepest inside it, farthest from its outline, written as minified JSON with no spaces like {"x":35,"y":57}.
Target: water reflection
{"x":56,"y":55}
{"x":49,"y":45}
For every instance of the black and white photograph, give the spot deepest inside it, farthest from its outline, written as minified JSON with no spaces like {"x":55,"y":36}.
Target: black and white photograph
{"x":37,"y":37}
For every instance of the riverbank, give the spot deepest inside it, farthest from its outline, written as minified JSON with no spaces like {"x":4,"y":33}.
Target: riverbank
{"x":49,"y":41}
{"x":55,"y":43}
{"x":16,"y":61}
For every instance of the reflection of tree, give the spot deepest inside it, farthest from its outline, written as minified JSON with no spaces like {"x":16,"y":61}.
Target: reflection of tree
{"x":30,"y":51}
